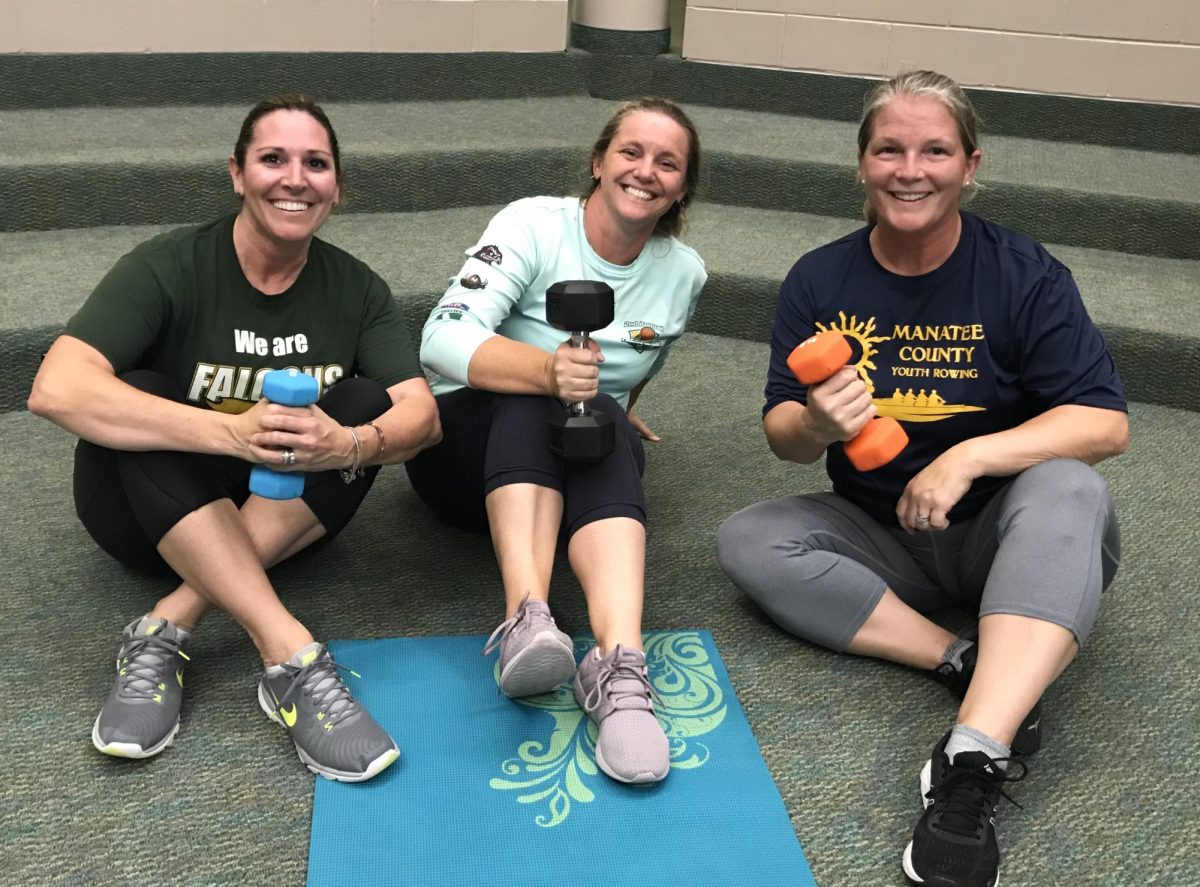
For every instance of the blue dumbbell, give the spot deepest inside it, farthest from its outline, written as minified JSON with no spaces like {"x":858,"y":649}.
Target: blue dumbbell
{"x":291,"y":388}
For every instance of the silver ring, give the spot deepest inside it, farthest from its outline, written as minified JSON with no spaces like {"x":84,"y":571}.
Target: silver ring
{"x":288,"y":457}
{"x":922,"y":518}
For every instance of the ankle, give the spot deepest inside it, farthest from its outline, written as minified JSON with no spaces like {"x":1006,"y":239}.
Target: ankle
{"x":965,"y":738}
{"x":279,"y":649}
{"x":953,"y":654}
{"x":183,"y":622}
{"x":610,"y":642}
{"x":512,"y":605}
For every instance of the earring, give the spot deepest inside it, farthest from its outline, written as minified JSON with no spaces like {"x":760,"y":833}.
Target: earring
{"x":967,"y":183}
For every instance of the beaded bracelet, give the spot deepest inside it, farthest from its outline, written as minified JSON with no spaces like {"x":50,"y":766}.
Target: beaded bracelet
{"x":382,"y":441}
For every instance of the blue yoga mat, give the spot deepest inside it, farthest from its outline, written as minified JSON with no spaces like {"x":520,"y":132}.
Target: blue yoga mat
{"x":492,"y":791}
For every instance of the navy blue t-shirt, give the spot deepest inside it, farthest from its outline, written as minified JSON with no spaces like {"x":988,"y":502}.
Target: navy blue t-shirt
{"x":996,"y":335}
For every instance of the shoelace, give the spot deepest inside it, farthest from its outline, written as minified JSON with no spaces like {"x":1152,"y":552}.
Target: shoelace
{"x":505,"y":628}
{"x":320,"y":681}
{"x":624,"y":684}
{"x":966,"y":797}
{"x":144,"y":664}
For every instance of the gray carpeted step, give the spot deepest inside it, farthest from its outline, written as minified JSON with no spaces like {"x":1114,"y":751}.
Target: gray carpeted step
{"x":1138,"y":301}
{"x":30,"y":80}
{"x":84,"y":167}
{"x":844,"y":737}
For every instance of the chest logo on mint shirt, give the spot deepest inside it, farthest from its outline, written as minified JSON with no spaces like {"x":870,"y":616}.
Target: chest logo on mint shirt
{"x":641,"y":334}
{"x":923,"y":355}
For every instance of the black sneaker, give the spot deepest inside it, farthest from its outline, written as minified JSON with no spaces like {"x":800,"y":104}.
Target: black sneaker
{"x":954,"y":843}
{"x":1028,"y":738}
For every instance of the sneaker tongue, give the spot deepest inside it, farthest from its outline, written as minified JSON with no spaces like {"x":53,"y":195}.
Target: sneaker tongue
{"x":148,"y":626}
{"x":629,"y":687}
{"x":626,"y":656}
{"x":977,"y":760}
{"x":305,"y":655}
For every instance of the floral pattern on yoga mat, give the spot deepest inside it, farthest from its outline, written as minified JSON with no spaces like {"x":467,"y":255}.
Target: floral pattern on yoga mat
{"x":552,"y":772}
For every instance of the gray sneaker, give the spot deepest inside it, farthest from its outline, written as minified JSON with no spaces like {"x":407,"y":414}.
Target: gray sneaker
{"x":615,"y":692}
{"x":334,"y":735}
{"x":141,"y":715}
{"x":535,"y":657}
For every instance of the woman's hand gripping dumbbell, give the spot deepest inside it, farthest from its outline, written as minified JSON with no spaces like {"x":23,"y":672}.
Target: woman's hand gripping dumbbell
{"x":292,"y":389}
{"x":580,"y":307}
{"x":818,"y":358}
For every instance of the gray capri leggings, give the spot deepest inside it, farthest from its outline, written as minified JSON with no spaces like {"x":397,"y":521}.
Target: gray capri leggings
{"x":1046,"y":545}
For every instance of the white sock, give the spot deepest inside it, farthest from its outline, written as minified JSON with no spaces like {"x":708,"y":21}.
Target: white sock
{"x":964,"y":738}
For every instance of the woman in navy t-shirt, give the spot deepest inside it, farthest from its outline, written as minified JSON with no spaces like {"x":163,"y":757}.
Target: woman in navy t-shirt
{"x":976,"y":340}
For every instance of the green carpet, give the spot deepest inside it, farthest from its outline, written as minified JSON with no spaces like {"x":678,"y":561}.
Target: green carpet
{"x":433,"y":144}
{"x":844,"y":738}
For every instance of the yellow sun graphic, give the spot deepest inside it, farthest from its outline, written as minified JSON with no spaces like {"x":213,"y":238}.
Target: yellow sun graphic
{"x":860,"y":332}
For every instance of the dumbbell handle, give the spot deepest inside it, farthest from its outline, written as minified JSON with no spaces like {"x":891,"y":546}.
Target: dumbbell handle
{"x":579,"y":339}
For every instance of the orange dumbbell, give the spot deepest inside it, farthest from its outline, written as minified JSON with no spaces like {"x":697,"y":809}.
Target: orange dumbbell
{"x":815,"y":360}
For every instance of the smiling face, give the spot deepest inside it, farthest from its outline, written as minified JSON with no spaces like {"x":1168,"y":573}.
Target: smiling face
{"x":915,"y":168}
{"x":643,"y":172}
{"x":288,"y":181}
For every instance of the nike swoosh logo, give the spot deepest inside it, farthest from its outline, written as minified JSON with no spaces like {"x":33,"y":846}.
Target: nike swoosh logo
{"x":289,"y":715}
{"x":179,"y":677}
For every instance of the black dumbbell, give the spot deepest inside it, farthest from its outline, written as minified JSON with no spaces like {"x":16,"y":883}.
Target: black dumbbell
{"x":580,"y":307}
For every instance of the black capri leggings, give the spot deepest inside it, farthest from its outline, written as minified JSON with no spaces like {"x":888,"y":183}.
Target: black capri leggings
{"x":128,"y":500}
{"x":490,"y":440}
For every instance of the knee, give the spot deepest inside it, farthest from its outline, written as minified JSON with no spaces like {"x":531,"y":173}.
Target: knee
{"x":605,"y":403}
{"x":356,"y":400}
{"x":625,"y":436}
{"x":1068,"y":484}
{"x":743,"y":541}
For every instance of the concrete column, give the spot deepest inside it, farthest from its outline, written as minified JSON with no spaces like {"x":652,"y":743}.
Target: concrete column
{"x":621,"y":27}
{"x":623,"y":15}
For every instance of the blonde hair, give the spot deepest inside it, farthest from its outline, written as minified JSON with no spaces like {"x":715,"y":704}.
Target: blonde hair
{"x":933,"y":85}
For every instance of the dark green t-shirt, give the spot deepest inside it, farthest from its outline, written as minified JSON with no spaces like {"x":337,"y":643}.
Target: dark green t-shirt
{"x":180,"y":305}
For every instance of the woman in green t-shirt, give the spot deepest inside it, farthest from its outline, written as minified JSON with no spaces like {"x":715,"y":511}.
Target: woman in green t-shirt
{"x":160,"y":374}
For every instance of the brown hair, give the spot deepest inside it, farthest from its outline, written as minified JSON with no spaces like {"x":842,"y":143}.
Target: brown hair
{"x":292,"y":101}
{"x":670,"y":224}
{"x":922,"y":83}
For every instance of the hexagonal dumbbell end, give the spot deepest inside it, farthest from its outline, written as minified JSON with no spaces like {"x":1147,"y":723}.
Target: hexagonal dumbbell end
{"x":579,"y":306}
{"x":290,"y":387}
{"x":586,"y":438}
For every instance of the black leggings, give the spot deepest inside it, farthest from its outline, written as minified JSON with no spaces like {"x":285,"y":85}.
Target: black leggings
{"x":492,"y":440}
{"x":129,"y":500}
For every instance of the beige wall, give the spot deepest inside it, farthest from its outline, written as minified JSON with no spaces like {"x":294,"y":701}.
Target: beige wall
{"x":1132,"y":49}
{"x":283,"y":25}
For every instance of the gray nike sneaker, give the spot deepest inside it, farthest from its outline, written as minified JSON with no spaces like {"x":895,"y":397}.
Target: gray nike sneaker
{"x":614,"y":691}
{"x":141,"y":715}
{"x":334,"y":735}
{"x":535,"y":657}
